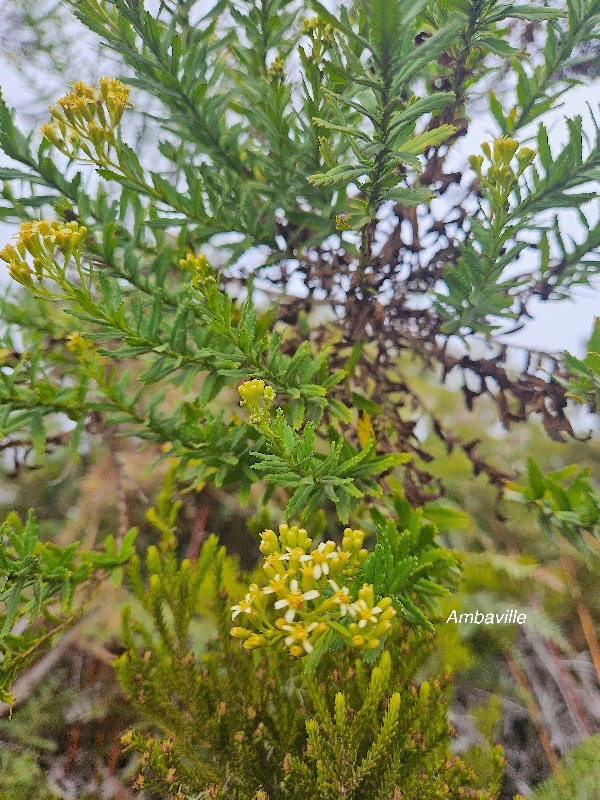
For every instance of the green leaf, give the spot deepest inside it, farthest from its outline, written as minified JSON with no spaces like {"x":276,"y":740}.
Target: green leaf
{"x":529,"y":13}
{"x":338,"y":176}
{"x":418,"y":144}
{"x":498,"y":46}
{"x":409,"y":198}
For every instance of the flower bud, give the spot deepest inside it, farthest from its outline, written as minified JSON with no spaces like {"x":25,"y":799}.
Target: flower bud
{"x":525,"y":157}
{"x":269,"y":542}
{"x":254,"y":641}
{"x":241,"y":633}
{"x":504,"y":149}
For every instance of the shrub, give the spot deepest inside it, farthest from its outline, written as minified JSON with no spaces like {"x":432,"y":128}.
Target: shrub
{"x":315,"y":144}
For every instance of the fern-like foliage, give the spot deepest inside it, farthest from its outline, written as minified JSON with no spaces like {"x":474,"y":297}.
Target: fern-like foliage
{"x":38,"y":581}
{"x":408,"y":564}
{"x":565,"y":502}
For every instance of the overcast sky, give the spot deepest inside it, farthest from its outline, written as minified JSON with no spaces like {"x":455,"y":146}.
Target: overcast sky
{"x":556,"y":326}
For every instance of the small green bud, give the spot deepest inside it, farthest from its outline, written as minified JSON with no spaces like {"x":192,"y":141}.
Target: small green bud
{"x":269,"y":542}
{"x":525,"y":157}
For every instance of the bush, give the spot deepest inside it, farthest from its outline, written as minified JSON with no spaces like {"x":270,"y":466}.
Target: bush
{"x":315,"y":145}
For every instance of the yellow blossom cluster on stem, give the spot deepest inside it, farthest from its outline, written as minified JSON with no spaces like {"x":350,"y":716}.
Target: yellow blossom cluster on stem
{"x":309,"y":591}
{"x":198,"y":268}
{"x":277,"y":69}
{"x":44,"y":242}
{"x":257,"y":397}
{"x":85,"y":119}
{"x":83,"y":348}
{"x":500,"y":176}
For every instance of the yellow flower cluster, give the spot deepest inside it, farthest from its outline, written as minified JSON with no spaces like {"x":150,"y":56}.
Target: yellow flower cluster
{"x":277,"y":69}
{"x":500,"y":175}
{"x":194,"y":264}
{"x":85,"y":119}
{"x":43,"y":240}
{"x":257,"y":397}
{"x":321,"y":32}
{"x":83,"y":348}
{"x":309,"y":591}
{"x":198,"y":267}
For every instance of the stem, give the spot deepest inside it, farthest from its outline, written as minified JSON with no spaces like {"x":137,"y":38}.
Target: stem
{"x":534,"y":711}
{"x":585,"y":619}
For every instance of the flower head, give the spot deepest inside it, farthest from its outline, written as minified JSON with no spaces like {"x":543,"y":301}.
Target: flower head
{"x":295,"y":600}
{"x":341,"y":598}
{"x":87,"y":114}
{"x":501,"y":178}
{"x":44,"y":241}
{"x":298,"y":638}
{"x":257,"y":397}
{"x":504,"y":149}
{"x":311,"y":590}
{"x":277,"y":585}
{"x":251,"y":392}
{"x":364,"y":614}
{"x":321,"y":557}
{"x":243,"y":607}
